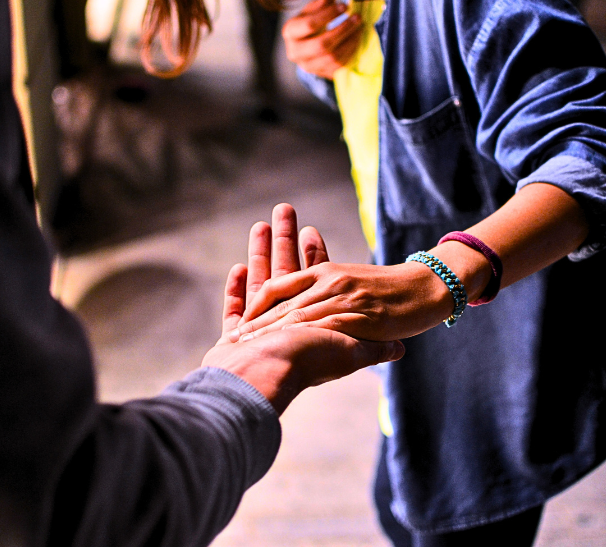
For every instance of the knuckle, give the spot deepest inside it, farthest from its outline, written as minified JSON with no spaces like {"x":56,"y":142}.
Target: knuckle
{"x":261,"y":332}
{"x":340,"y":284}
{"x":334,"y":323}
{"x":297,"y":316}
{"x":282,"y":308}
{"x":255,"y":287}
{"x":268,"y":285}
{"x":324,"y":269}
{"x":325,"y":45}
{"x":382,"y":352}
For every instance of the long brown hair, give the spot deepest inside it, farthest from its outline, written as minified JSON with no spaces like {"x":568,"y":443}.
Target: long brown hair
{"x":190,"y":20}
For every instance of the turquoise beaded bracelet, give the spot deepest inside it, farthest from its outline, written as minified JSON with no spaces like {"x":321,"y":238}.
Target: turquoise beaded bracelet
{"x":448,"y":276}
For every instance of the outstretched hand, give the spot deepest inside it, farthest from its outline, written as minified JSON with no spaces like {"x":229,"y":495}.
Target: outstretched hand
{"x":363,"y":301}
{"x":272,"y":253}
{"x":283,"y":363}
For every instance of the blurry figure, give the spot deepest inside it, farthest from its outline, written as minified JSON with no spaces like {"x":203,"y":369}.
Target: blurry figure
{"x":77,"y":54}
{"x":263,"y":29}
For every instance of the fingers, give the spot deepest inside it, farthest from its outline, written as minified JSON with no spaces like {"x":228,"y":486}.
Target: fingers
{"x":272,"y":251}
{"x":259,"y":259}
{"x":234,"y":299}
{"x":355,"y":354}
{"x":275,"y":292}
{"x":318,"y":315}
{"x":372,"y":353}
{"x":282,"y":364}
{"x":312,"y":246}
{"x":322,"y":355}
{"x":312,"y":19}
{"x":316,"y":47}
{"x":285,"y":254}
{"x":312,"y":308}
{"x":326,"y":53}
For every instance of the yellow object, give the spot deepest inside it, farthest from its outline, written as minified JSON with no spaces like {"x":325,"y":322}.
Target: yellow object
{"x":34,"y":76}
{"x":384,"y":417}
{"x":358,"y":86}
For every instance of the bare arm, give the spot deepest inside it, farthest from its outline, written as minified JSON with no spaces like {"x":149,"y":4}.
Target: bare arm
{"x":538,"y":226}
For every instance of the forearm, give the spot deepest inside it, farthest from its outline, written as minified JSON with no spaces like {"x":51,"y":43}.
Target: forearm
{"x":534,"y":229}
{"x":537,"y":227}
{"x":178,"y":464}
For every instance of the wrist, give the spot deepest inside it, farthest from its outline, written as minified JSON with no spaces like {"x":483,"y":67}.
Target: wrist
{"x":421,"y":290}
{"x":470,"y":266}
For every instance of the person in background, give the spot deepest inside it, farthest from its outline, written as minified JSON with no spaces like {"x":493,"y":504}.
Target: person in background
{"x":263,"y":32}
{"x":477,"y":134}
{"x":447,"y":110}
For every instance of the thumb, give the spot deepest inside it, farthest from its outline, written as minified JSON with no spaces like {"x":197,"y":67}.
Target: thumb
{"x":371,"y":353}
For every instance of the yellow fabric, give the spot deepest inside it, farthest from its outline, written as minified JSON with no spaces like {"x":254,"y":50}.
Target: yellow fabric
{"x":358,"y":86}
{"x":384,"y":417}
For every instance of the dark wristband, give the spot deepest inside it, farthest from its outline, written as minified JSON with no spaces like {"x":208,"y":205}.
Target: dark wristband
{"x":492,"y":289}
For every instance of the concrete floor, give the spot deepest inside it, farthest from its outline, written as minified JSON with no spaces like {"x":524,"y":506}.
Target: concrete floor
{"x":166,"y":191}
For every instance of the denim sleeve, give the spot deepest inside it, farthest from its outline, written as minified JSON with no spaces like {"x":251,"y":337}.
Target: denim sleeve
{"x":321,"y":88}
{"x":539,"y":75}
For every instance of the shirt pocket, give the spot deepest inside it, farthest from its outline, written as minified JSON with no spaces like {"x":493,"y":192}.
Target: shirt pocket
{"x":429,"y":169}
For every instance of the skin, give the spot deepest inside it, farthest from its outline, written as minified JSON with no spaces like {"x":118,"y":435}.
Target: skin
{"x":316,"y":50}
{"x":286,"y":362}
{"x":535,"y":228}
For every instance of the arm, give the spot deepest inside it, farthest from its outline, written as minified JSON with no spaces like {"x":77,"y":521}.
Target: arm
{"x":543,"y":125}
{"x":538,"y":226}
{"x":169,"y":470}
{"x":163,"y":471}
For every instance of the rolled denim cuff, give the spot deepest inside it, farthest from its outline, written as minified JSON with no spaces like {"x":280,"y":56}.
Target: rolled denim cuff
{"x":587,"y":184}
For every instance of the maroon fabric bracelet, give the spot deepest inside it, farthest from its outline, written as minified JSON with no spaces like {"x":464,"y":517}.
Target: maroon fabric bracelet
{"x":492,"y":289}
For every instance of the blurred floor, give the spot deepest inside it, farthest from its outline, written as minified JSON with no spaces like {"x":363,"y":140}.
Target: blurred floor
{"x":170,"y":177}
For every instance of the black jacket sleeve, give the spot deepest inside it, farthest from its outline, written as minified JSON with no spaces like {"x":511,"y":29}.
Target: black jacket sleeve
{"x":167,"y":471}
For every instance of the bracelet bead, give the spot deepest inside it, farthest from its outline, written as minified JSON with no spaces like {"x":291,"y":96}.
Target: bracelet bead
{"x":453,"y":283}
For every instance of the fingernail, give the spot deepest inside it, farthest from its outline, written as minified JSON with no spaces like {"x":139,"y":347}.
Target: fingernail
{"x":397,"y":350}
{"x":247,"y":337}
{"x":234,"y":335}
{"x":337,"y":21}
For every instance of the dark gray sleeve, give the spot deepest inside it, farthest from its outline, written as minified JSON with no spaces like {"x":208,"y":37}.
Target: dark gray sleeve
{"x":167,"y":471}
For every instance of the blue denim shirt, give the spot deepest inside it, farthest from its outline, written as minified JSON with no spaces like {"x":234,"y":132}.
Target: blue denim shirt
{"x":481,"y":97}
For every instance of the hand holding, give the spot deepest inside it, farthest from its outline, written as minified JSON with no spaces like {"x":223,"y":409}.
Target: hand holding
{"x":364,"y":301}
{"x":284,"y":363}
{"x":272,"y":252}
{"x":315,"y":48}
